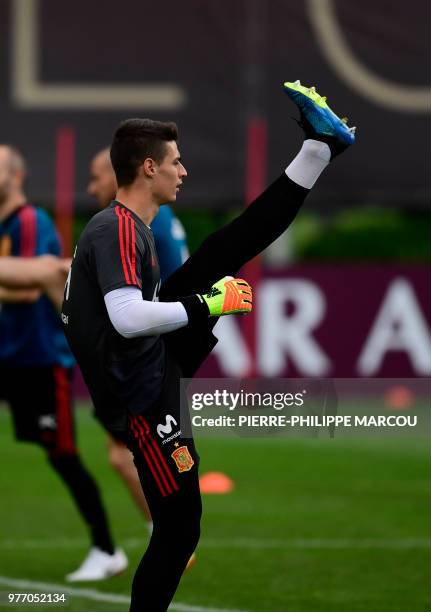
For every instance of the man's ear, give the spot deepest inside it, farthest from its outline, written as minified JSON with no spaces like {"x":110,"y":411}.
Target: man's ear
{"x":148,"y":168}
{"x":19,"y":177}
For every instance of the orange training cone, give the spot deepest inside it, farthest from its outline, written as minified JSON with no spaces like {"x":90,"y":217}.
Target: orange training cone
{"x":215,"y":483}
{"x":399,"y":397}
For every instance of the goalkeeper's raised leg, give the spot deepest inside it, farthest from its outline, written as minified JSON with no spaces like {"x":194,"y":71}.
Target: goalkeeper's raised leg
{"x":224,"y":252}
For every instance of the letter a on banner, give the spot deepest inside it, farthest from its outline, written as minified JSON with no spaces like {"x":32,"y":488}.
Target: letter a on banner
{"x":399,"y":326}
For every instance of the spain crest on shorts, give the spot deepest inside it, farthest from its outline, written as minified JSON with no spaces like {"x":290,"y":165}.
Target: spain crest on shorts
{"x":183,"y":459}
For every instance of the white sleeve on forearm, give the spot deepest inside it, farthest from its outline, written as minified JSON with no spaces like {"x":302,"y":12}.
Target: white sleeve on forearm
{"x":132,"y":316}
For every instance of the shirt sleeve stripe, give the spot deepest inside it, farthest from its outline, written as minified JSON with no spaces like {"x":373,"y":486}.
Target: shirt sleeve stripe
{"x":133,"y":243}
{"x":121,"y":241}
{"x":128,"y":245}
{"x":28,"y":225}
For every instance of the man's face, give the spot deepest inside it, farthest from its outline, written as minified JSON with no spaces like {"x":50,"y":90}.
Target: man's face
{"x":102,"y":184}
{"x":6,"y":174}
{"x":169,"y":175}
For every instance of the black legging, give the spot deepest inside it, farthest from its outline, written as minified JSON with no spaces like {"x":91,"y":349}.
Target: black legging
{"x":176,"y":531}
{"x":85,"y":494}
{"x":223,"y":253}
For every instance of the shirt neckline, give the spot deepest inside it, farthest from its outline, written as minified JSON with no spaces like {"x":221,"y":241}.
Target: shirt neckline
{"x":13,"y":213}
{"x":134,"y":215}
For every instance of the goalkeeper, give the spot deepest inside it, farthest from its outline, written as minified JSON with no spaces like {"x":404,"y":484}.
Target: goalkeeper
{"x":133,"y":350}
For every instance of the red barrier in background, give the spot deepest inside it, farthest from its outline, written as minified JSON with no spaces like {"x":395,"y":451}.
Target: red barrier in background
{"x":65,"y":186}
{"x":255,"y":181}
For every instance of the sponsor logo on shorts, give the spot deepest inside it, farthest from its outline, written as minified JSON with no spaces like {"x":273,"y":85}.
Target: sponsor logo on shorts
{"x":167,"y":428}
{"x":175,"y":435}
{"x":183,"y":459}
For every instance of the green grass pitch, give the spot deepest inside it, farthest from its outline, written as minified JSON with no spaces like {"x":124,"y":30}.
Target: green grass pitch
{"x":314,"y":525}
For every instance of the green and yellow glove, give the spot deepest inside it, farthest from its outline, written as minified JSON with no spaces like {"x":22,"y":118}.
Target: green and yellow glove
{"x":229,"y":296}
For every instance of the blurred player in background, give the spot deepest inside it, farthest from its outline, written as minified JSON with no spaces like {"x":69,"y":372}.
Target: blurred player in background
{"x":30,"y":277}
{"x":35,"y":361}
{"x":133,"y":350}
{"x":172,"y":252}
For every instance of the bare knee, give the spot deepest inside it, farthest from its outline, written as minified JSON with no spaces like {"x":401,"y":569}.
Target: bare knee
{"x":120,"y":458}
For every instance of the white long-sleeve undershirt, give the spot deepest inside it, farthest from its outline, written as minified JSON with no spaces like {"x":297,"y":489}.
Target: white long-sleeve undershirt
{"x":132,"y":316}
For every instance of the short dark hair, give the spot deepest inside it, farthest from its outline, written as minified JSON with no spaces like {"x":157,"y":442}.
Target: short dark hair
{"x":134,"y":141}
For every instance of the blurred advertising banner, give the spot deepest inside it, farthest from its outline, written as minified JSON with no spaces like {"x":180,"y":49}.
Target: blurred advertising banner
{"x":216,"y":67}
{"x":332,"y":321}
{"x":327,"y":321}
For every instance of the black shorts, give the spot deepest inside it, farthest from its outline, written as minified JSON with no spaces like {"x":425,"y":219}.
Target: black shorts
{"x":162,"y":444}
{"x":40,"y":399}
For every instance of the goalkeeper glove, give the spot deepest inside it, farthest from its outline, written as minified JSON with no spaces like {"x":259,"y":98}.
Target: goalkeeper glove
{"x":229,"y":296}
